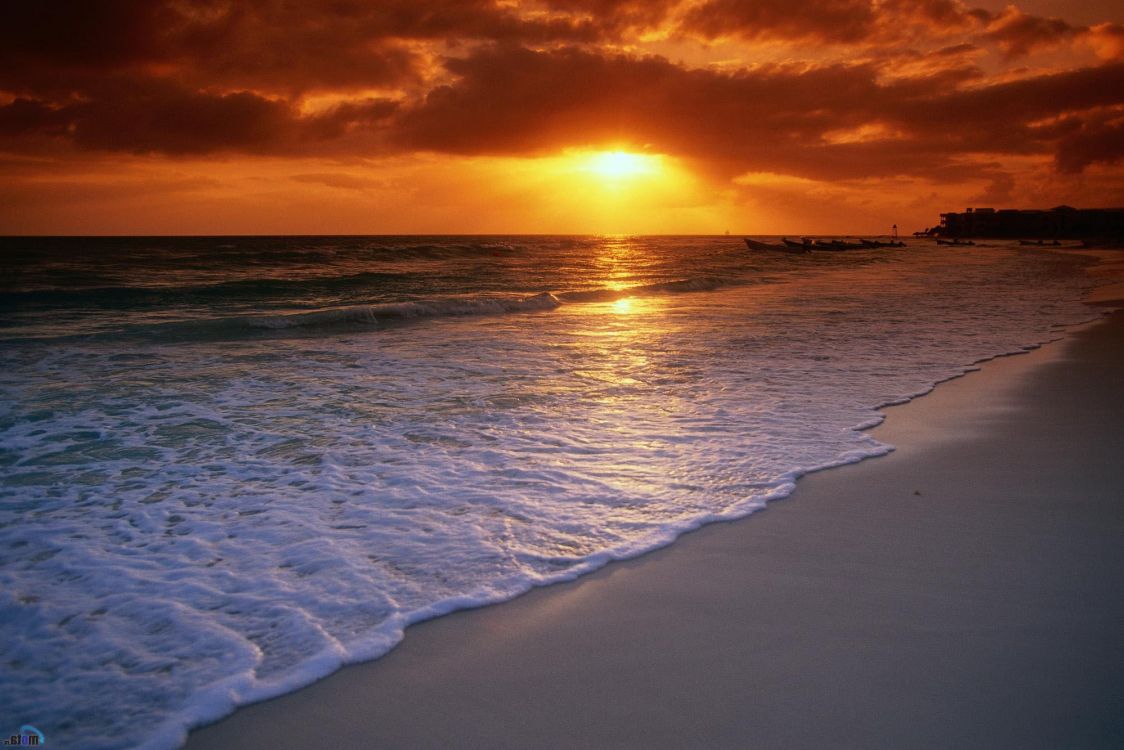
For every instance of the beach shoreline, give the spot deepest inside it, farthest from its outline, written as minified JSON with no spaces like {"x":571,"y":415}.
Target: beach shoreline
{"x":962,"y":591}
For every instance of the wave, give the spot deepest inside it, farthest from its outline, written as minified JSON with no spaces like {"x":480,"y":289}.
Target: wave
{"x":331,"y":320}
{"x":455,"y":307}
{"x":680,"y":286}
{"x":366,"y":251}
{"x":161,"y":296}
{"x":454,"y":250}
{"x":397,"y":311}
{"x":131,"y":297}
{"x":74,"y":273}
{"x":288,"y":294}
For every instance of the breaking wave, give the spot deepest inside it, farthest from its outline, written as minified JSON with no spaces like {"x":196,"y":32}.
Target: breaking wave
{"x":286,"y":295}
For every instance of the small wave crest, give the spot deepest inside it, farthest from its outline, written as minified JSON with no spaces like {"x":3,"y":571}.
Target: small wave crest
{"x":373,"y":314}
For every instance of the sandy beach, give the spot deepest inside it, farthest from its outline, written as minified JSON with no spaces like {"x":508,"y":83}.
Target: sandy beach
{"x":964,"y":591}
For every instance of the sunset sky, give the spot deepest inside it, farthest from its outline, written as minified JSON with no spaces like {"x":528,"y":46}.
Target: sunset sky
{"x":557,"y":116}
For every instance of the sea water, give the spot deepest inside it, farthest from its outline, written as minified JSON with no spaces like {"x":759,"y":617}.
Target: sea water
{"x":230,"y":465}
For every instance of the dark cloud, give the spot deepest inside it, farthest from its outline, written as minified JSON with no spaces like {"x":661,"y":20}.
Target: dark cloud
{"x":28,"y":116}
{"x":940,"y":14}
{"x":998,"y":191}
{"x":955,"y":50}
{"x":520,"y":101}
{"x":176,"y":121}
{"x":1017,"y":33}
{"x":83,"y":34}
{"x":1003,"y":108}
{"x":613,"y":17}
{"x":828,"y":20}
{"x":775,"y":118}
{"x":270,"y":44}
{"x":146,"y":116}
{"x":1096,"y":141}
{"x":196,"y":77}
{"x":870,"y":24}
{"x":823,"y":122}
{"x":848,"y":22}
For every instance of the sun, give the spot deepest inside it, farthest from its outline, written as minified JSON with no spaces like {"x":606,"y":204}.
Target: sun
{"x":613,"y":189}
{"x":617,"y":165}
{"x":623,"y":306}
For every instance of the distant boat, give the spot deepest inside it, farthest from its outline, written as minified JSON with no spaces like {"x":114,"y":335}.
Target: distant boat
{"x":794,"y":244}
{"x":1039,"y":243}
{"x":838,"y":245}
{"x":755,"y":245}
{"x":958,"y":243}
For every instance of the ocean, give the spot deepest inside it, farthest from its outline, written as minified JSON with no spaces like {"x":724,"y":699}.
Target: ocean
{"x":229,"y":466}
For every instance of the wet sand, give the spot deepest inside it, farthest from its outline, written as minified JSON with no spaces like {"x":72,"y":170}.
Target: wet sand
{"x":965,"y":591}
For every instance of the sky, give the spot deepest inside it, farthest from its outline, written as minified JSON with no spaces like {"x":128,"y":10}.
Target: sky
{"x":552,"y":116}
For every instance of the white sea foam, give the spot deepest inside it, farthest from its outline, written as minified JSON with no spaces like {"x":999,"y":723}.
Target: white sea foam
{"x":189,"y":527}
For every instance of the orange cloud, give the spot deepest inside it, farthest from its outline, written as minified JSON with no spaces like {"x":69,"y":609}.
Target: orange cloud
{"x":1018,"y":33}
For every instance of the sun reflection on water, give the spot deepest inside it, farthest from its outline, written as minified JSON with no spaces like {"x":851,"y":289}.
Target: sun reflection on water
{"x":620,"y":262}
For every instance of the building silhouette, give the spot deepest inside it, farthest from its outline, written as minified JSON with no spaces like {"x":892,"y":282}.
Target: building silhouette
{"x":1062,"y":222}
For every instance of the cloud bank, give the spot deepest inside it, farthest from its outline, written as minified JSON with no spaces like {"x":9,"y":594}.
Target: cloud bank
{"x":937,"y":90}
